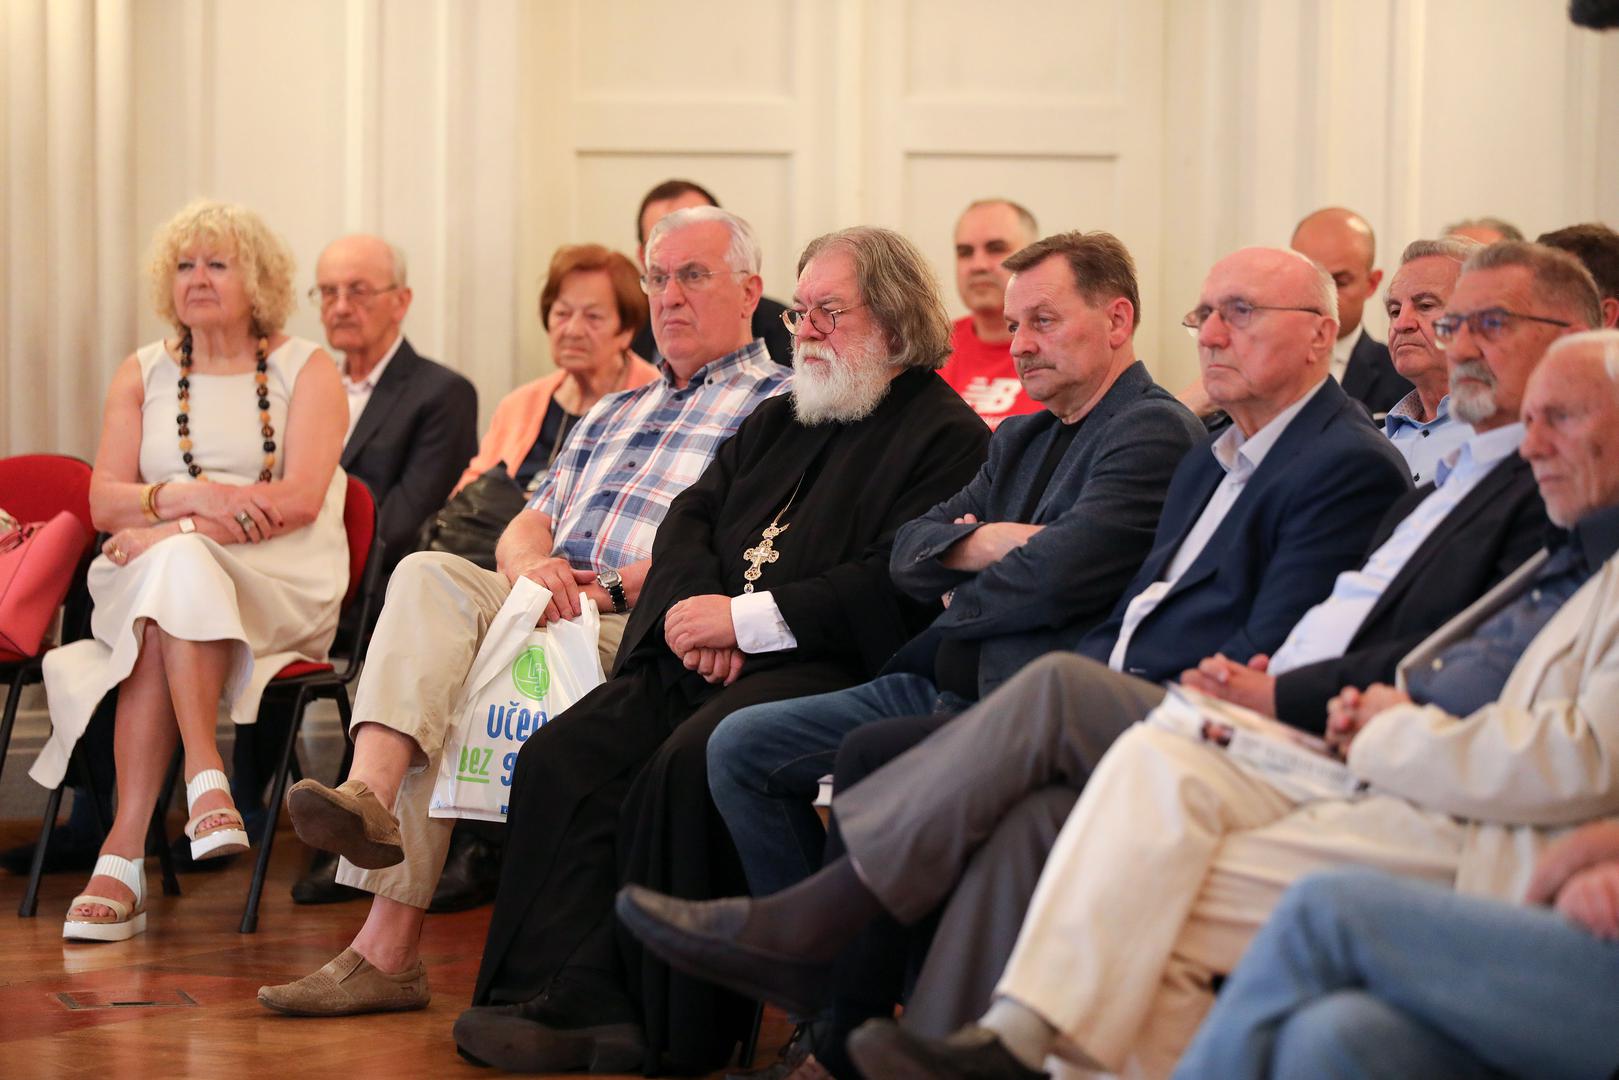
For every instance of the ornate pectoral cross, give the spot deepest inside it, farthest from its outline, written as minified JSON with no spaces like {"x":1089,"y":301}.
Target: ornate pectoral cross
{"x":763,"y":554}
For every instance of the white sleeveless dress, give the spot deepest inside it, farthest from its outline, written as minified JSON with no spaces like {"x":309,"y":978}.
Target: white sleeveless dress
{"x":277,"y":600}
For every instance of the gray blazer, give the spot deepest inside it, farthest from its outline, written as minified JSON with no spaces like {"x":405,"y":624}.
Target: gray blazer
{"x":1100,"y":510}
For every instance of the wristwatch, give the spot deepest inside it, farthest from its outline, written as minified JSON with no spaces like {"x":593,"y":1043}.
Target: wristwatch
{"x":613,"y":582}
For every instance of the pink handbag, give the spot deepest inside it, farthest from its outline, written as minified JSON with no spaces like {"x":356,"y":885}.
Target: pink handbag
{"x":37,"y":561}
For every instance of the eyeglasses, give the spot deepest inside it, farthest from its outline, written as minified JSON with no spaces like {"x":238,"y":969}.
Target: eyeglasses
{"x":1236,"y":314}
{"x":821,"y":317}
{"x":691,"y":278}
{"x":1486,"y":325}
{"x":360,"y":293}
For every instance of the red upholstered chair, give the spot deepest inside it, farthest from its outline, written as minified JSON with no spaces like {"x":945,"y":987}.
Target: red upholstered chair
{"x":298,"y":684}
{"x":37,"y":487}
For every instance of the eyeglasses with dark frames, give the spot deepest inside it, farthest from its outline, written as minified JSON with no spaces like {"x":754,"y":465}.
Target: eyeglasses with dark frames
{"x":1486,"y":324}
{"x":821,"y":317}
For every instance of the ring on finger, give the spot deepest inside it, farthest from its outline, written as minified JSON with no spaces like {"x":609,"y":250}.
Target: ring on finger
{"x":243,"y":518}
{"x":117,"y":554}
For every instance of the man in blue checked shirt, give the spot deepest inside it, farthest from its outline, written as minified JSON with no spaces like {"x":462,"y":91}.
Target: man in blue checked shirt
{"x":587,"y":531}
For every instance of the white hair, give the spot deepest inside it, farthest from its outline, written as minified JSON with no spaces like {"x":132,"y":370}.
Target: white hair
{"x":742,"y":255}
{"x":1606,"y":339}
{"x":1326,"y":289}
{"x":396,"y":255}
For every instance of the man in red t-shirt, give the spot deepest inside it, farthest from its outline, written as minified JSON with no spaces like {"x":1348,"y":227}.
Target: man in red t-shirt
{"x":980,"y":366}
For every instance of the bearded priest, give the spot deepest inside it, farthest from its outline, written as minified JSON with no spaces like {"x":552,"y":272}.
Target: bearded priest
{"x":769,"y":581}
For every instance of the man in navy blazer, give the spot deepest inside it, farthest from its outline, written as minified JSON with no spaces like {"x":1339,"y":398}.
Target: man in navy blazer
{"x":413,"y":424}
{"x":1257,"y":523}
{"x":1342,"y":243}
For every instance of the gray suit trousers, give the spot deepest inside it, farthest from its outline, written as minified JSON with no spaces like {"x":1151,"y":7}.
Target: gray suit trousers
{"x":913,"y":827}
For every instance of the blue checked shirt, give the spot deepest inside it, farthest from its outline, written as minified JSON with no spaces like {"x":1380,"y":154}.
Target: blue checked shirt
{"x":634,"y":452}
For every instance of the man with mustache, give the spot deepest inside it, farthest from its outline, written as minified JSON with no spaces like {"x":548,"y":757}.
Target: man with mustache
{"x":769,"y":580}
{"x":980,"y":365}
{"x":1420,"y":424}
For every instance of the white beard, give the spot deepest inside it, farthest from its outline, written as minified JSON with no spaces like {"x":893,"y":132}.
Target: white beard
{"x":839,"y":390}
{"x":1470,"y":402}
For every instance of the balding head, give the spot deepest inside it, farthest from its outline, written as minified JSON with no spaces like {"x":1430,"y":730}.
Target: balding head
{"x":1266,"y":323}
{"x":1343,"y":244}
{"x":363,"y":298}
{"x":1571,"y":421}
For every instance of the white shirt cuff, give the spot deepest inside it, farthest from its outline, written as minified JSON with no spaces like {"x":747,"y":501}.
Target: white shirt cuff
{"x":758,"y":624}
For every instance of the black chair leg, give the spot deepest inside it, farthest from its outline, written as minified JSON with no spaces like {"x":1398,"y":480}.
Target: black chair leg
{"x":272,"y":815}
{"x":750,"y":1045}
{"x":157,"y":836}
{"x":13,"y":699}
{"x":347,"y":715}
{"x":30,"y":897}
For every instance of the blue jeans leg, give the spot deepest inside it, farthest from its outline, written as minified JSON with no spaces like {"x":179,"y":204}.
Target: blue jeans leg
{"x":765,"y":762}
{"x":1501,"y":989}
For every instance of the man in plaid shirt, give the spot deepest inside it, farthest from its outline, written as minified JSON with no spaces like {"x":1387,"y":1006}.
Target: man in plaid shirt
{"x":587,"y":531}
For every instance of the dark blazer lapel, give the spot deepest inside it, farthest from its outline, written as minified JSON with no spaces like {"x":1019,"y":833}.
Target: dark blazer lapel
{"x":1130,"y":385}
{"x":1293,"y":442}
{"x":1463,"y":515}
{"x":1183,"y":516}
{"x":395,"y":381}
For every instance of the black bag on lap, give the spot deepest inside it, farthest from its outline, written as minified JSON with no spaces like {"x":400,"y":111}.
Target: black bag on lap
{"x":470,"y":524}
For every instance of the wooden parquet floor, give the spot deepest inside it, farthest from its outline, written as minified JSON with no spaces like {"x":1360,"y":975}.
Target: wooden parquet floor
{"x":188,"y":985}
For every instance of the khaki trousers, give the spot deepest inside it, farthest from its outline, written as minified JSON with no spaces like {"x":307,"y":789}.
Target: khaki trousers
{"x":1170,"y":862}
{"x":438,"y":609}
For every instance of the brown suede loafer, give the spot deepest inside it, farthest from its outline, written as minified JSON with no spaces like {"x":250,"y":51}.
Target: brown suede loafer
{"x":349,"y":820}
{"x":347,"y":986}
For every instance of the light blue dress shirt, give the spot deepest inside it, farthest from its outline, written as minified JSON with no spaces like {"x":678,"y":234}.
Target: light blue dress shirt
{"x":1326,"y":629}
{"x":1423,"y":444}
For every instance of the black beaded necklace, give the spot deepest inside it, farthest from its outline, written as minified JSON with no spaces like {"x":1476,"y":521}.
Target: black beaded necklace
{"x":261,"y":380}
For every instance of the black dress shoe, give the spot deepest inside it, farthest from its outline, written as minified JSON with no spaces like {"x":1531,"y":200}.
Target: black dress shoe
{"x":471,"y":874}
{"x":66,"y":851}
{"x":319,"y":885}
{"x":572,"y":1026}
{"x":883,"y":1048}
{"x":701,"y":939}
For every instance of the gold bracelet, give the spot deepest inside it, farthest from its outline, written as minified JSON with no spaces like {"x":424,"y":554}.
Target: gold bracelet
{"x":149,"y":500}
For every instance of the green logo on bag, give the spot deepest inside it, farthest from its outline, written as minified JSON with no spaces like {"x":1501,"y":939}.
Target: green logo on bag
{"x":530,"y":673}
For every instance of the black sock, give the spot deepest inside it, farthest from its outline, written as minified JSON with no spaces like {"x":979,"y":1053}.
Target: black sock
{"x":815,"y":919}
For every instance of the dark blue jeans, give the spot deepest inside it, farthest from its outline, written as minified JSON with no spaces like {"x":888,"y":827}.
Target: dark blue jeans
{"x":765,"y":763}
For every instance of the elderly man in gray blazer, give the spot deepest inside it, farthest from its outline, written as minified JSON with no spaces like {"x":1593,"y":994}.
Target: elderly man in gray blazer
{"x":1028,"y":557}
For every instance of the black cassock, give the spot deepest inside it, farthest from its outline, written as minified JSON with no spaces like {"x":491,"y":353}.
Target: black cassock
{"x":615,"y":789}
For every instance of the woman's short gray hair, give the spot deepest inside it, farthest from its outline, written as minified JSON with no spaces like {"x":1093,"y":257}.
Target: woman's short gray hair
{"x":900,"y":290}
{"x":742,"y":255}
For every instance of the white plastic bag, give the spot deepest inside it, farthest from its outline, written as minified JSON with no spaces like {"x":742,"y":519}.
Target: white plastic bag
{"x":520,"y":679}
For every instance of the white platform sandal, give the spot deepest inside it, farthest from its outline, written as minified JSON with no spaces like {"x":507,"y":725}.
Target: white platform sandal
{"x":127,"y":919}
{"x":228,"y":837}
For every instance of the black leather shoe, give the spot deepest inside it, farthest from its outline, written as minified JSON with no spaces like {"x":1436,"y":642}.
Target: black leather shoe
{"x":701,"y":939}
{"x":571,"y":1027}
{"x":883,"y":1048}
{"x":319,"y":885}
{"x":471,"y":874}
